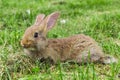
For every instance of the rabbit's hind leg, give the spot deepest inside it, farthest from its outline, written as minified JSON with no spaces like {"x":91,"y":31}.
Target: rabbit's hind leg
{"x":90,"y":56}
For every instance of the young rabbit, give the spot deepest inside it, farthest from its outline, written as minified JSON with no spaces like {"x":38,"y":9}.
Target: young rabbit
{"x":79,"y":48}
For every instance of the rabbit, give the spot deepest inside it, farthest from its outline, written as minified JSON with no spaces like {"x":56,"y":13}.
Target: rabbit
{"x":79,"y":48}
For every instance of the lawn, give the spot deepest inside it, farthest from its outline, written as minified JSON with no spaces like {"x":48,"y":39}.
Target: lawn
{"x":99,"y":19}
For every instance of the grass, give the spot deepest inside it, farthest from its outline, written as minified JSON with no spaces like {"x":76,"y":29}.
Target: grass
{"x":96,"y":18}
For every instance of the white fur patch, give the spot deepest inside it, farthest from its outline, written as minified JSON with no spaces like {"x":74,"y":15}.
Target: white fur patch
{"x":109,"y":60}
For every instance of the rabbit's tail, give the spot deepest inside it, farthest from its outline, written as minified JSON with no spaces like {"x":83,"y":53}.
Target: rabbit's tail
{"x":108,"y":59}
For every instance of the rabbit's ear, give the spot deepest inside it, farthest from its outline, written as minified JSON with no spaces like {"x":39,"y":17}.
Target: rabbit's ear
{"x":51,"y":20}
{"x":48,"y":23}
{"x":39,"y":19}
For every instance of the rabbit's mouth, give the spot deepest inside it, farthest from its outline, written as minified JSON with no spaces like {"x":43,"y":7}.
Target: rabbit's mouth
{"x":31,"y":48}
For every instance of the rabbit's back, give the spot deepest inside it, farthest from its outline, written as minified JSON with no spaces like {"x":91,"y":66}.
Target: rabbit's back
{"x":76,"y":47}
{"x":85,"y":48}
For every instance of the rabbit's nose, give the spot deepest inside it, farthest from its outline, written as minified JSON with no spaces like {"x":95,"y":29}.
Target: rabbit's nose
{"x":24,"y":45}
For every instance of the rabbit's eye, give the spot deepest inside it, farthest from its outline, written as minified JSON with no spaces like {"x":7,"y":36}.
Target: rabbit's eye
{"x":35,"y":35}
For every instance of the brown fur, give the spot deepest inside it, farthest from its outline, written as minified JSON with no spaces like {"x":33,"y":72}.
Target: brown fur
{"x":79,"y":48}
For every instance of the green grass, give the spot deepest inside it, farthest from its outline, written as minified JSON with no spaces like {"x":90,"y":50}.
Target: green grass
{"x":99,"y":19}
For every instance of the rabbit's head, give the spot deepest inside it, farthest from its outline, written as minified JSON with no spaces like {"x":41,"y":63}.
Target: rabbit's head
{"x":35,"y":36}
